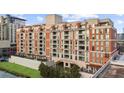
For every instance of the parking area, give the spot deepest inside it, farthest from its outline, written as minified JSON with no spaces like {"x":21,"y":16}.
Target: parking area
{"x":121,"y":58}
{"x":118,"y":58}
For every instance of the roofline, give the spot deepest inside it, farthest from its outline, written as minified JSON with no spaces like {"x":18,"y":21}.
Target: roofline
{"x":16,"y":17}
{"x":19,"y":18}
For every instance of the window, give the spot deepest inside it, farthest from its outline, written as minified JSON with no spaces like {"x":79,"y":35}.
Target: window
{"x":101,"y":49}
{"x":66,"y":64}
{"x":97,"y":37}
{"x":87,"y":48}
{"x":107,"y":55}
{"x":30,"y":41}
{"x":93,"y":25}
{"x":62,"y":55}
{"x":40,"y":45}
{"x":40,"y":33}
{"x":101,"y":61}
{"x":101,"y":55}
{"x":93,"y":43}
{"x":106,"y":31}
{"x":93,"y":49}
{"x":75,"y":57}
{"x":70,"y":57}
{"x":115,"y":35}
{"x":40,"y":37}
{"x":93,"y":31}
{"x":93,"y":37}
{"x":81,"y":58}
{"x":40,"y":49}
{"x":102,"y":37}
{"x":97,"y":55}
{"x":30,"y":52}
{"x":40,"y":53}
{"x":97,"y":48}
{"x":30,"y":33}
{"x":97,"y":31}
{"x":93,"y":55}
{"x":21,"y":34}
{"x":107,"y":49}
{"x":101,"y":32}
{"x":80,"y":31}
{"x":107,"y":36}
{"x":115,"y":45}
{"x":107,"y":44}
{"x":97,"y":43}
{"x":102,"y":43}
{"x":81,"y":47}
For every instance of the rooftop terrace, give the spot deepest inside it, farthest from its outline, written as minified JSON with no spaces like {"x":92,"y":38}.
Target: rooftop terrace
{"x":114,"y":71}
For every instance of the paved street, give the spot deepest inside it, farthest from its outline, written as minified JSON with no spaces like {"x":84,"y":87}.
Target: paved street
{"x":6,"y":75}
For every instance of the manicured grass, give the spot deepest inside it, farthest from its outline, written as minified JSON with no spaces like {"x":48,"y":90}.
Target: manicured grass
{"x":19,"y":70}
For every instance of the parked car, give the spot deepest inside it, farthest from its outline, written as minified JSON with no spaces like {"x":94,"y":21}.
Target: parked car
{"x":3,"y":59}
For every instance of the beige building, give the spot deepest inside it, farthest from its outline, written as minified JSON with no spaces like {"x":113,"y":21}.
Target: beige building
{"x":53,"y":19}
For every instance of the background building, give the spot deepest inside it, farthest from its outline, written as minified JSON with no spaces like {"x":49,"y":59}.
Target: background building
{"x":53,"y":19}
{"x":89,"y":43}
{"x":120,"y":43}
{"x":8,"y":26}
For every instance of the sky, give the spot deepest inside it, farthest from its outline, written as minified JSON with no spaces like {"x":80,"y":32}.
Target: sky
{"x":118,"y":19}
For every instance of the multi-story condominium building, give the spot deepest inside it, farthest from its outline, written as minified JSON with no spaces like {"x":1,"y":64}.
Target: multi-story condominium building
{"x":87,"y":43}
{"x":102,"y":41}
{"x":8,"y":26}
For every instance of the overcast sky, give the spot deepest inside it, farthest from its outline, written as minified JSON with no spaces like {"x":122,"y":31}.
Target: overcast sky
{"x":118,"y":19}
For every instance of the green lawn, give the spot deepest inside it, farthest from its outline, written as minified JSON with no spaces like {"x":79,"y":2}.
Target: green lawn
{"x":19,"y":70}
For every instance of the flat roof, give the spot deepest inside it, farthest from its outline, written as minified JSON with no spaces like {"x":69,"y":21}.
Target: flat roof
{"x":114,"y":71}
{"x":16,"y":17}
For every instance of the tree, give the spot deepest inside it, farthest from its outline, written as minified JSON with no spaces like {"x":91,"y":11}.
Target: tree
{"x":59,"y":72}
{"x":44,"y":70}
{"x":75,"y":71}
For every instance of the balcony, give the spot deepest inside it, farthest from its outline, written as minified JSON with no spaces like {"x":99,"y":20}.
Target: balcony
{"x":66,"y":33}
{"x":81,"y":31}
{"x":81,"y":53}
{"x":66,"y":37}
{"x":66,"y":46}
{"x":54,"y":50}
{"x":81,"y":42}
{"x":81,"y":37}
{"x":54,"y":41}
{"x":66,"y":51}
{"x":66,"y":56}
{"x":54,"y":37}
{"x":66,"y":42}
{"x":54,"y":54}
{"x":81,"y":47}
{"x":54,"y":33}
{"x":54,"y":46}
{"x":81,"y":58}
